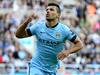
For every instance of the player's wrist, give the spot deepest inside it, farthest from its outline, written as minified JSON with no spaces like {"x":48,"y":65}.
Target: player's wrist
{"x":28,"y":20}
{"x":66,"y":52}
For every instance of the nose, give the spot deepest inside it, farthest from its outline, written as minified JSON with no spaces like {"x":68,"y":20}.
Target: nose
{"x":48,"y":10}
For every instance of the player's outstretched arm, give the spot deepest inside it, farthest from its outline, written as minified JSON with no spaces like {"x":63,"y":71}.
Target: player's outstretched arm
{"x":21,"y":31}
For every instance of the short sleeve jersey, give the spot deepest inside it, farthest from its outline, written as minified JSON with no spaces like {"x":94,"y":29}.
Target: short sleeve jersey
{"x":50,"y":41}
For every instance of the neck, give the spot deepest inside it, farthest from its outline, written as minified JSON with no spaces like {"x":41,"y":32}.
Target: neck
{"x":52,"y":23}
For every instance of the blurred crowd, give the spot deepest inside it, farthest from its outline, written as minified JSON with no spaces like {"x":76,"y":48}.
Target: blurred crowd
{"x":82,"y":16}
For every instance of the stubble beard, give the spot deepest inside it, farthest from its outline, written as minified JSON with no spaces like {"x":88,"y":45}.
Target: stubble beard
{"x":49,"y":19}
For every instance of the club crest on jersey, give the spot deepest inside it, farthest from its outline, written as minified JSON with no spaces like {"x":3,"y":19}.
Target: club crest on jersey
{"x":58,"y":35}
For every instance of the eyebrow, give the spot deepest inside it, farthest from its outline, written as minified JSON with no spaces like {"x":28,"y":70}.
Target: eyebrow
{"x":50,"y":8}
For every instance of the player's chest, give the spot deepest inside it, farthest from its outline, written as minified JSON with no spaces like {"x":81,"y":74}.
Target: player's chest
{"x":53,"y":35}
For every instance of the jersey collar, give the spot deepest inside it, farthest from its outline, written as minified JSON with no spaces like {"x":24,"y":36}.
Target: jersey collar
{"x":52,"y":26}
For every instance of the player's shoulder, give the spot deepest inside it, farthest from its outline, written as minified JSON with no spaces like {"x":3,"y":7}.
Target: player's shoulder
{"x":64,"y":26}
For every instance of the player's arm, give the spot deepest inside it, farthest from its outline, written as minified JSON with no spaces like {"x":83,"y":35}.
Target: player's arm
{"x":21,"y":31}
{"x":78,"y":45}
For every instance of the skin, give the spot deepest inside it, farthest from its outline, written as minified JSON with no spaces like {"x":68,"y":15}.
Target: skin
{"x":52,"y":17}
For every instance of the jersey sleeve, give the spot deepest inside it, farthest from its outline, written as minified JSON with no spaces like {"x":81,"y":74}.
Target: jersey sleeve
{"x":70,"y":35}
{"x":31,"y":29}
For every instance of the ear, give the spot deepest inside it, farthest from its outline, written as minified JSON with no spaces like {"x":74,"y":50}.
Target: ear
{"x":58,"y":16}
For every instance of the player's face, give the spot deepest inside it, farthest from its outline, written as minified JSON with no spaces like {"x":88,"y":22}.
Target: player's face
{"x":51,"y":13}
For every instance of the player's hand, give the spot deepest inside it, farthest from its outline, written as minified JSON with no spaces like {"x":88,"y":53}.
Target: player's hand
{"x":63,"y":54}
{"x":32,"y":16}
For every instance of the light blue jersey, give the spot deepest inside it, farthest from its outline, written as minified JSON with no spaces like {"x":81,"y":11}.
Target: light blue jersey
{"x":50,"y":41}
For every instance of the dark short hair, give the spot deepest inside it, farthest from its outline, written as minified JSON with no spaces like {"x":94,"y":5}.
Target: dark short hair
{"x":55,"y":4}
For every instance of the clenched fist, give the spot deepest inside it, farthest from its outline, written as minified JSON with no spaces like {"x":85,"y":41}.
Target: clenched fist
{"x":33,"y":15}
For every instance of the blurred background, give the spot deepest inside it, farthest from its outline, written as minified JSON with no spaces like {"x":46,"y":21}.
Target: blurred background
{"x":82,"y":16}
